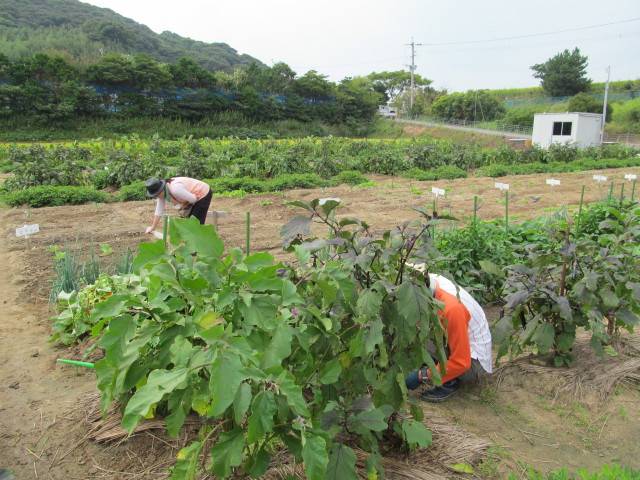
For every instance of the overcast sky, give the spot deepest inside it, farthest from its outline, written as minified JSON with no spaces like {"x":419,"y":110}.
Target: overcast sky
{"x":460,"y":45}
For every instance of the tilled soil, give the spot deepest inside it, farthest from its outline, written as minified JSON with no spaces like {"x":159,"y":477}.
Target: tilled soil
{"x":520,"y":414}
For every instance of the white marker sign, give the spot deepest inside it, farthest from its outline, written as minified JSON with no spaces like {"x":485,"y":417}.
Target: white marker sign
{"x":630,"y":176}
{"x":27,"y":230}
{"x":502,"y":186}
{"x":437,"y":191}
{"x":552,"y":182}
{"x":600,"y":178}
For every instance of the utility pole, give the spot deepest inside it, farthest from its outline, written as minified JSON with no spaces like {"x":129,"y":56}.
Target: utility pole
{"x":604,"y":107}
{"x":412,"y":67}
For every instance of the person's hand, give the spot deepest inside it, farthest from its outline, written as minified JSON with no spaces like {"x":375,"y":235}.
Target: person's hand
{"x":149,"y":230}
{"x":416,"y":378}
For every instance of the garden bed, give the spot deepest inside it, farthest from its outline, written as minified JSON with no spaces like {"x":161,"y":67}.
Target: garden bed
{"x":525,"y":414}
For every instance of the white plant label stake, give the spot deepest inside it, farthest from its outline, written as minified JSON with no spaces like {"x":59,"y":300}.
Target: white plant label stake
{"x":27,"y":230}
{"x":502,"y":186}
{"x":552,"y":182}
{"x":630,"y":176}
{"x":600,"y":178}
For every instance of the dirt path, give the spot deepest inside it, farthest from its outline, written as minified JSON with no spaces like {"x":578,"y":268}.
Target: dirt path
{"x":521,"y":414}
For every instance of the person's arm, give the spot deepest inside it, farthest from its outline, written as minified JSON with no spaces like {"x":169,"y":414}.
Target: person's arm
{"x":457,"y":325}
{"x":459,"y":360}
{"x":160,"y":204}
{"x":179,"y":192}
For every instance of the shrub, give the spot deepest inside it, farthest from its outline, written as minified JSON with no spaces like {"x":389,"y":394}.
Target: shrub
{"x":533,"y":154}
{"x":134,"y":192}
{"x":465,"y":249}
{"x":99,"y":179}
{"x":492,"y":171}
{"x":567,"y":152}
{"x":502,"y":155}
{"x":295,"y":180}
{"x":48,"y":196}
{"x":449,"y":172}
{"x":600,"y":218}
{"x":350,"y":177}
{"x":36,"y":165}
{"x":248,"y":185}
{"x":446,"y":172}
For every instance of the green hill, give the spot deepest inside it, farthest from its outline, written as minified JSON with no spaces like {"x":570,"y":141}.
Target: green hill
{"x":87,"y":32}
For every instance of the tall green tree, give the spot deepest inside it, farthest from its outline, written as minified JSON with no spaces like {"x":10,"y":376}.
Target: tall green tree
{"x":392,"y":84}
{"x":356,"y":99}
{"x":472,"y":105}
{"x":187,"y":73}
{"x":279,"y":78}
{"x":564,"y":74}
{"x":583,"y":102}
{"x":149,"y":74}
{"x":313,"y":85}
{"x":111,"y":69}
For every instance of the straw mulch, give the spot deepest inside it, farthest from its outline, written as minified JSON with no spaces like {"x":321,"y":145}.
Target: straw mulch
{"x":589,"y":374}
{"x":451,"y":445}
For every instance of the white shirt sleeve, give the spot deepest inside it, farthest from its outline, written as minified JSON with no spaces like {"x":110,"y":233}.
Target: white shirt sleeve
{"x":179,"y":192}
{"x":160,"y":204}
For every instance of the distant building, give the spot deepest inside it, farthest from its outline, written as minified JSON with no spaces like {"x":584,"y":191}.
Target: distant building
{"x":387,"y":111}
{"x":580,"y":128}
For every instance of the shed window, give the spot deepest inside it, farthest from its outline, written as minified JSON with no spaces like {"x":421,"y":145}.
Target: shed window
{"x":562,"y":128}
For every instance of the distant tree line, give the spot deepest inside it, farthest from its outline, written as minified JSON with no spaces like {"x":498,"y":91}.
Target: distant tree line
{"x":55,"y":87}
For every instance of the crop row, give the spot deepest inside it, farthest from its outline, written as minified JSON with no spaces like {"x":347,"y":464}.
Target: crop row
{"x":313,"y":355}
{"x":118,"y":163}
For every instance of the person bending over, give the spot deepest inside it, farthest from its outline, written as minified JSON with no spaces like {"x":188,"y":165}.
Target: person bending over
{"x":467,"y":342}
{"x":192,"y":196}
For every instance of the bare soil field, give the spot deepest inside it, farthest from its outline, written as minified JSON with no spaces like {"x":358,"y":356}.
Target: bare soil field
{"x":524,"y":415}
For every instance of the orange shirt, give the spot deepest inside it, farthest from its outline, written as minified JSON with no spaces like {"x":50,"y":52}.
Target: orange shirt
{"x":456,"y":323}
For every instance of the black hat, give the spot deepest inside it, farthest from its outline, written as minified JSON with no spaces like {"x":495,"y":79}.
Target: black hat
{"x":154,"y":187}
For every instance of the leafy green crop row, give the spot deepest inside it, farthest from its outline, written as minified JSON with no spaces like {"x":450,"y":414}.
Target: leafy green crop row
{"x":607,"y":472}
{"x":313,"y":356}
{"x":554,"y":276}
{"x":51,"y":196}
{"x":123,"y":162}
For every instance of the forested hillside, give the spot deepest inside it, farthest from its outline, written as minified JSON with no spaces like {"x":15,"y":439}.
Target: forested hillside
{"x":88,"y":32}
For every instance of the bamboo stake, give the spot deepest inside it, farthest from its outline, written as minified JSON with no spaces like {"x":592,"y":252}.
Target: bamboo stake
{"x":248,"y":232}
{"x":475,"y":209}
{"x":165,"y":231}
{"x":580,"y":210}
{"x":506,"y":211}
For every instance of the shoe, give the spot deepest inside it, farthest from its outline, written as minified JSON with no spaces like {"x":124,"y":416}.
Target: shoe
{"x":440,"y":394}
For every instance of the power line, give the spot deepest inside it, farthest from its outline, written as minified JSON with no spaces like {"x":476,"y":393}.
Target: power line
{"x":613,"y":36}
{"x":532,"y":34}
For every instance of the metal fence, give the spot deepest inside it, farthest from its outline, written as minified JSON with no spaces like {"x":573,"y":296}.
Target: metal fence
{"x":493,"y":126}
{"x":612,"y":97}
{"x":630,"y":139}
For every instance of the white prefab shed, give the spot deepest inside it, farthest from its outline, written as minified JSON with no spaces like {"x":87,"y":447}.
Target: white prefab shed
{"x":577,"y":127}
